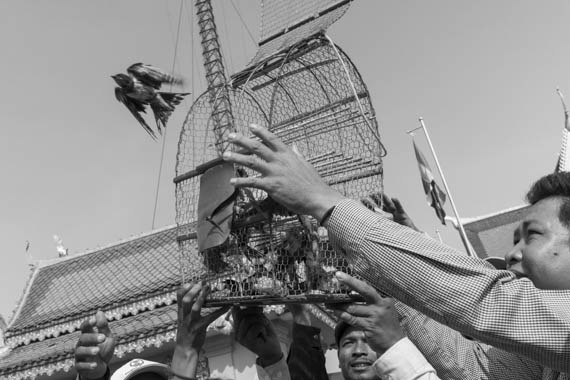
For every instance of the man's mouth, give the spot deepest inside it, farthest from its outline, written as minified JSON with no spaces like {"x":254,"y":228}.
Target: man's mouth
{"x":361,"y":364}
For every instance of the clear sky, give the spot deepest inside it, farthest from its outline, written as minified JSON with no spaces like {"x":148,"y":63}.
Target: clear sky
{"x":75,"y":163}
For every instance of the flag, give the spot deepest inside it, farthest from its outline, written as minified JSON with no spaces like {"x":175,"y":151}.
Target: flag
{"x":435,"y":196}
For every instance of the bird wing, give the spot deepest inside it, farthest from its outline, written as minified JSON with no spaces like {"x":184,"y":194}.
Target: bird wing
{"x":136,"y":108}
{"x":151,"y":76}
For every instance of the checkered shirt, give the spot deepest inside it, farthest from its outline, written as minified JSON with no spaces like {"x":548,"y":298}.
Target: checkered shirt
{"x":464,"y":293}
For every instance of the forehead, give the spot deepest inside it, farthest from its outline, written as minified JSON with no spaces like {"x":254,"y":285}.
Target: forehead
{"x":352,"y":333}
{"x":546,"y":213}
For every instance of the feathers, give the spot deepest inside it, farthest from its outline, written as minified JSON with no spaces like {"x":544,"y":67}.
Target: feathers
{"x":140,"y":87}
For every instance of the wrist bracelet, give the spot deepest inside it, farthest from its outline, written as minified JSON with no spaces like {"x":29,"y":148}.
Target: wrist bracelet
{"x":175,"y":375}
{"x":326,"y":216}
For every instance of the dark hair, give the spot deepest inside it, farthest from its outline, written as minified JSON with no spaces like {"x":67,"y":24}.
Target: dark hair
{"x":553,"y":185}
{"x":339,"y":331}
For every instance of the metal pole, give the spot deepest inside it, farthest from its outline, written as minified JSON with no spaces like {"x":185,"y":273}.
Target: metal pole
{"x":438,"y":236}
{"x":462,"y":233}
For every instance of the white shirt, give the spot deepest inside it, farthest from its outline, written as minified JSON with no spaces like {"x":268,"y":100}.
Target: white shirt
{"x":403,"y":361}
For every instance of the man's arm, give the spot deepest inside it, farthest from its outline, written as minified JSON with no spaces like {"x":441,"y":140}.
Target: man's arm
{"x":456,"y":357}
{"x":306,"y":358}
{"x":254,"y":331}
{"x":191,"y":331}
{"x":461,"y":292}
{"x":94,"y":349}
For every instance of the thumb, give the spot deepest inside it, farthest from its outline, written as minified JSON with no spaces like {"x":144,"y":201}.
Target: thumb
{"x":369,"y":294}
{"x":102,"y":324}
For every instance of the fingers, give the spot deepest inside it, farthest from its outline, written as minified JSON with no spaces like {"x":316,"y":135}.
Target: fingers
{"x":86,"y":353}
{"x":269,"y":139}
{"x":250,"y":145}
{"x":369,"y":294}
{"x":87,"y":325}
{"x":90,"y":339}
{"x":348,"y":318}
{"x":189,"y":294}
{"x":245,"y":319}
{"x":199,"y":302}
{"x":398,"y":206}
{"x":362,"y":310}
{"x":388,"y":204}
{"x":102,"y":324}
{"x":85,"y":366}
{"x":252,"y":161}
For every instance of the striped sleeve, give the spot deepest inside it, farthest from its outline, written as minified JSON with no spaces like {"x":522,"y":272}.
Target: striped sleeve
{"x":461,"y":292}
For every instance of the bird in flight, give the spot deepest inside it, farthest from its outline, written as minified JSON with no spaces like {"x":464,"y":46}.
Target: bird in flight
{"x":140,"y":87}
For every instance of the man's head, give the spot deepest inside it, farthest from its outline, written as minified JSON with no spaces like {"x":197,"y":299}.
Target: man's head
{"x":139,"y":369}
{"x":541,"y":249}
{"x":355,"y":357}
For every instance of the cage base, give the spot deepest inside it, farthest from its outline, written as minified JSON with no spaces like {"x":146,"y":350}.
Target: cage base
{"x":277,"y":300}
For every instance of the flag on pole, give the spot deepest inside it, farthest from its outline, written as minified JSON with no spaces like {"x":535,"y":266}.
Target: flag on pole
{"x":435,"y":196}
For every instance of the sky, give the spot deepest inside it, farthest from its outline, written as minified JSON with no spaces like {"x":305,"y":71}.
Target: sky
{"x":75,"y":163}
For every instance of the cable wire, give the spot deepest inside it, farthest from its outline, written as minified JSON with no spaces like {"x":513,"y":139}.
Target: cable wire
{"x":166,"y":129}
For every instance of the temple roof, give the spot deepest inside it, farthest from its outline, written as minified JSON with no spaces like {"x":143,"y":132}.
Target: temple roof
{"x":492,"y":235}
{"x":121,"y":279}
{"x":133,"y":333}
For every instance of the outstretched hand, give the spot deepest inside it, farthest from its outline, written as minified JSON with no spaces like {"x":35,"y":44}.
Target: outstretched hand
{"x":399,"y":215}
{"x":377,"y":318}
{"x":94,"y":348}
{"x":285,"y":175}
{"x":192,"y":327}
{"x":254,"y":331}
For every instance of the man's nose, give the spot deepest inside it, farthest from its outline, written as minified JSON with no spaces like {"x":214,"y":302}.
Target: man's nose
{"x":514,"y":256}
{"x":361,"y":348}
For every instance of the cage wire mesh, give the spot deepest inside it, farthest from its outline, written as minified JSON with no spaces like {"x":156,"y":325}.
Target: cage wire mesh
{"x":310,"y":96}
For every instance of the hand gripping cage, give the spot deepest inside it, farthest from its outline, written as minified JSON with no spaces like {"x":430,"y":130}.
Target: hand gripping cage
{"x":311,"y":96}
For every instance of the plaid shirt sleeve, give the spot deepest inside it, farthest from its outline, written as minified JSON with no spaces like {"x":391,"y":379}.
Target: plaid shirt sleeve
{"x":455,"y":356}
{"x":461,"y":292}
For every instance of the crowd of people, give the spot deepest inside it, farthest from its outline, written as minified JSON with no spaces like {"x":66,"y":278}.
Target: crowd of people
{"x":430,"y":312}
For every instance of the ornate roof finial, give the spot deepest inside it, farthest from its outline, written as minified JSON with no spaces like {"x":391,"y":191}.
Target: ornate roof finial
{"x":61,"y":250}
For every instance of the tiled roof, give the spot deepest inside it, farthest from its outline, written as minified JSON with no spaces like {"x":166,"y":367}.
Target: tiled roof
{"x":492,"y":235}
{"x":56,"y":354}
{"x":121,"y":279}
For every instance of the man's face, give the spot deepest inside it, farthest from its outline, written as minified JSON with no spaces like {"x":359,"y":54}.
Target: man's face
{"x":541,"y":249}
{"x":355,"y":356}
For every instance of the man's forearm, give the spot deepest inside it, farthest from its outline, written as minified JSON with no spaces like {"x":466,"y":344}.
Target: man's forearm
{"x":461,"y":292}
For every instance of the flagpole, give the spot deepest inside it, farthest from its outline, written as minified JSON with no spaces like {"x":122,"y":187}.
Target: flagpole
{"x":462,"y":233}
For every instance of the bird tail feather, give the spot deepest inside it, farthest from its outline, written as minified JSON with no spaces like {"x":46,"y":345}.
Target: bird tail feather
{"x":163,"y":110}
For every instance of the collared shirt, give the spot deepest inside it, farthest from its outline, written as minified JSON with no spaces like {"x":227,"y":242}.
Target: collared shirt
{"x":403,"y":361}
{"x":464,"y":293}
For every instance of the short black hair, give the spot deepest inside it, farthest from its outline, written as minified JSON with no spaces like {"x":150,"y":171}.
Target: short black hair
{"x":553,"y":185}
{"x":339,"y":331}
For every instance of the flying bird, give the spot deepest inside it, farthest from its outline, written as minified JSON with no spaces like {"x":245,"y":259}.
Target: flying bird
{"x":140,"y":87}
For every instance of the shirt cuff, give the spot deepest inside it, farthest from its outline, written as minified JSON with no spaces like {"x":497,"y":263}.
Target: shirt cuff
{"x":402,"y":361}
{"x":276,"y":371}
{"x":349,"y":224}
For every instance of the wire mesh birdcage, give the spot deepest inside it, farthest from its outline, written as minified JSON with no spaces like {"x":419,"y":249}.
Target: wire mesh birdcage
{"x":311,"y":96}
